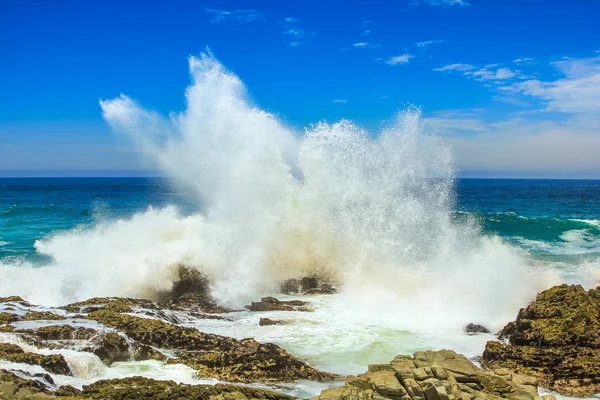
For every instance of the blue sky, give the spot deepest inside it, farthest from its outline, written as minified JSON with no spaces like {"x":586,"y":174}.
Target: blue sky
{"x":513,"y":85}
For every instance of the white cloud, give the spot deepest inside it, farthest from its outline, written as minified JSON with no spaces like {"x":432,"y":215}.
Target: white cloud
{"x":460,"y":3}
{"x":522,"y":145}
{"x":293,"y":29}
{"x":238,"y":15}
{"x":577,"y":92}
{"x":488,"y":73}
{"x":455,"y":67}
{"x":364,"y":45}
{"x":401,"y":59}
{"x":527,"y":61}
{"x":339,"y":101}
{"x":429,"y":42}
{"x":366,"y":26}
{"x":491,"y":72}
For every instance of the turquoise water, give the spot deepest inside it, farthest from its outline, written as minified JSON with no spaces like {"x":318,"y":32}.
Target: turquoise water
{"x":554,"y":220}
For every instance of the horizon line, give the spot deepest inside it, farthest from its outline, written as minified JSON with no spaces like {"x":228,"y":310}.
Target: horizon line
{"x":156,"y":174}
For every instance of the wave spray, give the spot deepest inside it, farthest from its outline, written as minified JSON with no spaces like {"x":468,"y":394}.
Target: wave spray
{"x":371,"y":213}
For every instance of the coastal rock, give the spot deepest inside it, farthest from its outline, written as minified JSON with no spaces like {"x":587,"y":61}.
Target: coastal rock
{"x":7,"y":318}
{"x":268,"y":321}
{"x":213,"y":355}
{"x":191,"y":293}
{"x":556,"y":339}
{"x":55,"y":363}
{"x":14,"y":387}
{"x":272,"y":304}
{"x":308,"y":285}
{"x":473,"y":329}
{"x":434,"y":375}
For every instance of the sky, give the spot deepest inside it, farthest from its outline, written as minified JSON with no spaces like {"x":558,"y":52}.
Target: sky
{"x":512,"y":85}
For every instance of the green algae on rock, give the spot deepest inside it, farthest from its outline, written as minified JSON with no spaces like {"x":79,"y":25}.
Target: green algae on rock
{"x":434,"y":375}
{"x":557,"y":339}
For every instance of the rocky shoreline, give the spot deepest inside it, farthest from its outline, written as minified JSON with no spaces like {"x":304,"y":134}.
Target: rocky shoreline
{"x":554,"y":343}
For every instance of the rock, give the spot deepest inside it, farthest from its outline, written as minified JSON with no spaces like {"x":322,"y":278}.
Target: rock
{"x":473,"y":329}
{"x":272,"y":304}
{"x":439,"y":375}
{"x":267,"y":322}
{"x":309,"y":283}
{"x":14,"y":387}
{"x":113,"y":347}
{"x":46,"y":315}
{"x":191,"y":293}
{"x":213,"y":355}
{"x":7,"y":318}
{"x":322,"y":289}
{"x":291,"y":286}
{"x":55,"y":363}
{"x":556,"y":339}
{"x":14,"y":299}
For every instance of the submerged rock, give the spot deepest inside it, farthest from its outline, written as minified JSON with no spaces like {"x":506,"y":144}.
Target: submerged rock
{"x":439,"y":375}
{"x":557,"y":339}
{"x":268,"y":321}
{"x":272,"y":304}
{"x":473,"y":329}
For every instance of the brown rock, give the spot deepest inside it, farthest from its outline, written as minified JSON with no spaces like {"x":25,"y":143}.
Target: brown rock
{"x":556,"y":339}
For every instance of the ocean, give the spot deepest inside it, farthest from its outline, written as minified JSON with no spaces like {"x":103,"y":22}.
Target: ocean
{"x":250,"y":202}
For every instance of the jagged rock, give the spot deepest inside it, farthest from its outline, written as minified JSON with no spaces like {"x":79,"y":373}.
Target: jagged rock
{"x":272,"y":304}
{"x":473,"y":329}
{"x":191,"y":293}
{"x":439,"y":375}
{"x":308,"y":283}
{"x":268,"y":321}
{"x":556,"y":339}
{"x":291,"y":286}
{"x":213,"y":355}
{"x":55,"y":363}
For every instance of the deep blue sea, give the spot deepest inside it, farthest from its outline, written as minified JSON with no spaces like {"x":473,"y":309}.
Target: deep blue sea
{"x":555,"y":220}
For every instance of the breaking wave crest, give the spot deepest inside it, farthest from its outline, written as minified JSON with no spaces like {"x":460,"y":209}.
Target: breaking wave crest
{"x":372,"y":213}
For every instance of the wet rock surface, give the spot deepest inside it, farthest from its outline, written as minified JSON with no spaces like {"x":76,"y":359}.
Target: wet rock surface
{"x":54,"y":363}
{"x":272,"y":304}
{"x":308,"y":285}
{"x":268,"y":321}
{"x":14,"y":387}
{"x":557,"y":339}
{"x":213,"y":355}
{"x":473,"y":329}
{"x":439,"y":375}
